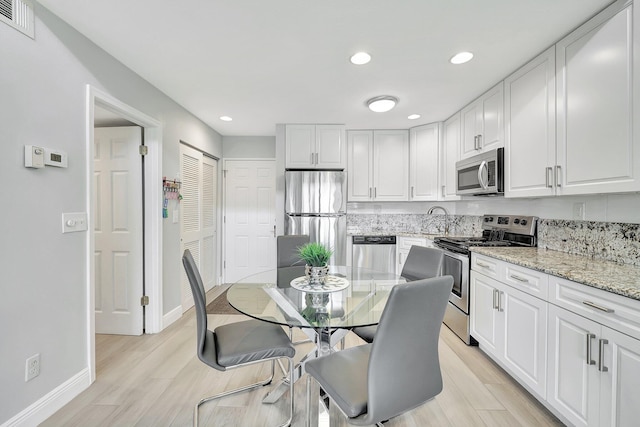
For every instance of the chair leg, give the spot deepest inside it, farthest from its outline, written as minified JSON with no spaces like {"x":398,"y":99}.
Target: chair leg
{"x":251,"y":387}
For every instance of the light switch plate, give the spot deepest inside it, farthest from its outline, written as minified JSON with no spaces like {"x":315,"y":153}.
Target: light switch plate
{"x":74,"y":221}
{"x":578,"y":210}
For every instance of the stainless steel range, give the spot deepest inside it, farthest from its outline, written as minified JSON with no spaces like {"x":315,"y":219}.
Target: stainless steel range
{"x":497,"y":230}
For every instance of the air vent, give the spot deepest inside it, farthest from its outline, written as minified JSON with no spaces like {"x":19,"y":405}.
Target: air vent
{"x":19,"y":14}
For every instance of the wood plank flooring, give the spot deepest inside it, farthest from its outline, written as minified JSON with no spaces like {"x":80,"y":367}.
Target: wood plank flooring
{"x":155,"y":380}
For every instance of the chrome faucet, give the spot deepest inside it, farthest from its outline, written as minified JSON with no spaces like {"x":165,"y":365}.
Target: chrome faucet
{"x":446,"y":217}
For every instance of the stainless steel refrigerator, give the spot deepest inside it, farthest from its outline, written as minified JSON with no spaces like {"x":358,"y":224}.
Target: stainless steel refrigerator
{"x":316,"y":204}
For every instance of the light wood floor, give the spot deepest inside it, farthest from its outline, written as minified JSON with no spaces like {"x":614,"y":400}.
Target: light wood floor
{"x":155,"y":380}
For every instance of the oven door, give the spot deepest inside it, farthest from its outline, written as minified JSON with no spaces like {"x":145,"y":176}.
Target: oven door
{"x":457,"y":265}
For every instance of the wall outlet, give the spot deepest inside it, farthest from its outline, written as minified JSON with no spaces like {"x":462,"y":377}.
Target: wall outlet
{"x":578,"y":210}
{"x":32,"y":367}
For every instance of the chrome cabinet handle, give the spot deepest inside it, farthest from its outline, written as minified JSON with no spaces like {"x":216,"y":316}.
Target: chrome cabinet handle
{"x":316,"y":158}
{"x":518,"y":278}
{"x":500,"y":308}
{"x":598,"y":307}
{"x":549,"y":177}
{"x":369,"y":192}
{"x":558,"y":176}
{"x":496,"y":303}
{"x":482,"y":264}
{"x":311,"y":161}
{"x":590,"y":336}
{"x":443,"y":191}
{"x":274,"y":231}
{"x":601,"y":345}
{"x":479,"y":142}
{"x":375,"y":192}
{"x":412,"y":191}
{"x":475,"y":142}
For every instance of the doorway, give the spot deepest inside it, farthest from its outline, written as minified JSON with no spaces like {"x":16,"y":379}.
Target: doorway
{"x":152,"y":201}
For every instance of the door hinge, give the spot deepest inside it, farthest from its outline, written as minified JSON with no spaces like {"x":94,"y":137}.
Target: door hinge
{"x":144,"y":300}
{"x":144,"y":150}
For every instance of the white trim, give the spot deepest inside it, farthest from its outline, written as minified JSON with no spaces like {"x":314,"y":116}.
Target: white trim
{"x":153,"y":223}
{"x":49,"y":404}
{"x":172,"y":316}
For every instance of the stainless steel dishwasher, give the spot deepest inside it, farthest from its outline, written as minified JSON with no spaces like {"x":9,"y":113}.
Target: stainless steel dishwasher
{"x":375,"y":253}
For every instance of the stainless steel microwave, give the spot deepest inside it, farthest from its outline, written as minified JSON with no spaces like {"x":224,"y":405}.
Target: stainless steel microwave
{"x":481,"y":175}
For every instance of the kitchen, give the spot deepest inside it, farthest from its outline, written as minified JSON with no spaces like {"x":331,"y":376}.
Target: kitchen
{"x":560,"y":211}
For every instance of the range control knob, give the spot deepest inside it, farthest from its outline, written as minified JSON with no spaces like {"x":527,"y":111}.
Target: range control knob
{"x":517,"y":220}
{"x":523,"y":222}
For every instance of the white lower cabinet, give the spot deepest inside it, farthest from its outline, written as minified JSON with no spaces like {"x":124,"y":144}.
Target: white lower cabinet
{"x":511,"y":326}
{"x":575,"y":347}
{"x":403,"y":246}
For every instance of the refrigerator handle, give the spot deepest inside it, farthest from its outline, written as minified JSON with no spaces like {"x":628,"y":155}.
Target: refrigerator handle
{"x":274,"y":231}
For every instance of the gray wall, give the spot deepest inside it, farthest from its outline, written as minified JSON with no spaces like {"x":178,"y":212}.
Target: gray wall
{"x":43,"y":285}
{"x":254,"y":147}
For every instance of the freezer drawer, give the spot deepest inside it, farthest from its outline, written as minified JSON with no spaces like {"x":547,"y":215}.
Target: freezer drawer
{"x":331,"y":231}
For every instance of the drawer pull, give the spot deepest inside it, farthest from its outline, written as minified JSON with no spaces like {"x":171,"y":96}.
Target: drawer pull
{"x":590,"y":336}
{"x":519,"y":279}
{"x":601,"y":366}
{"x":482,"y":264}
{"x":496,"y":302}
{"x":598,"y":307}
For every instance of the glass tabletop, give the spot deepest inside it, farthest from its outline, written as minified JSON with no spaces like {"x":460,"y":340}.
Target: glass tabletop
{"x":270,"y":296}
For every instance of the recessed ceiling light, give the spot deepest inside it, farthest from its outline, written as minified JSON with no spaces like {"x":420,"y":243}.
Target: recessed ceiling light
{"x":413,"y":116}
{"x":461,"y":58}
{"x":225,"y":118}
{"x":360,"y":58}
{"x":382,"y":104}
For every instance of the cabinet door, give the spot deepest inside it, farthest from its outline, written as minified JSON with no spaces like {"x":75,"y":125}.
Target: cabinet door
{"x":450,"y":150}
{"x":530,"y":115}
{"x":492,"y":131}
{"x":620,"y":379}
{"x":331,"y":150}
{"x":424,"y":143}
{"x":390,"y":165}
{"x":471,"y":117}
{"x":300,"y":143}
{"x":595,"y":97}
{"x":573,"y":383}
{"x":360,"y":161}
{"x":486,"y":321}
{"x":525,"y":337}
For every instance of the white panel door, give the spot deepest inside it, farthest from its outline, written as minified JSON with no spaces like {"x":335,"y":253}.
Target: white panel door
{"x":198,"y":211}
{"x":300,"y":146}
{"x":391,"y":165}
{"x":486,"y":321}
{"x":250,"y":221}
{"x":331,"y":147}
{"x":360,"y":170}
{"x":118,"y":227}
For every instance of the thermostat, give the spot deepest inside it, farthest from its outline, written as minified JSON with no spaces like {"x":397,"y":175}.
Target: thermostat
{"x":55,"y":158}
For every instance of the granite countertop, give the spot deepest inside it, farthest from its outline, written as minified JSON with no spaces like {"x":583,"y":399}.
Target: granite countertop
{"x":621,"y":279}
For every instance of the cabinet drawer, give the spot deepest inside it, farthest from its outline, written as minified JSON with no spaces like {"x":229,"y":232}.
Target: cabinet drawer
{"x":490,"y":267}
{"x":615,"y":311}
{"x":530,"y":281}
{"x":407,"y":242}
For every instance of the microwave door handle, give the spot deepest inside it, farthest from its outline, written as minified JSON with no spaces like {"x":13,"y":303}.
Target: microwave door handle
{"x":483,"y":167}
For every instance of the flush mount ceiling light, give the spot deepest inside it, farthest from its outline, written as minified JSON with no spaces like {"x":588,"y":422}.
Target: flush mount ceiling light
{"x":382,"y":104}
{"x":360,"y":58}
{"x":225,"y":118}
{"x":413,"y":116}
{"x":461,"y":58}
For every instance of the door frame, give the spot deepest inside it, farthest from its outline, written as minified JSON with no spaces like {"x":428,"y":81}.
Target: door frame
{"x":152,"y":222}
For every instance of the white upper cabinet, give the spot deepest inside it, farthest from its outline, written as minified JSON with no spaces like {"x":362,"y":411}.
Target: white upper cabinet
{"x":315,"y":147}
{"x":530,"y":131}
{"x":424,"y":158}
{"x":378,"y":165}
{"x":483,"y":123}
{"x":450,"y":155}
{"x":595,"y":96}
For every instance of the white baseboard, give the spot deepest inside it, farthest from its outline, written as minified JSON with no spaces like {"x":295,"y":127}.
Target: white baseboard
{"x":52,"y":402}
{"x":171,"y":316}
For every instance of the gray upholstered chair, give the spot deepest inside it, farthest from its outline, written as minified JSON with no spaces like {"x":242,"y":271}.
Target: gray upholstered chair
{"x":287,"y":249}
{"x":421,"y":263}
{"x":400,"y":370}
{"x":236,"y":344}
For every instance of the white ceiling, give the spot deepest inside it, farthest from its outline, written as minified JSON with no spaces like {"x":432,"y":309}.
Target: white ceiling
{"x":264,"y":62}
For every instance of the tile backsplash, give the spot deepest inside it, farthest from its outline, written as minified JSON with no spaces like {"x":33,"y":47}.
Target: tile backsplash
{"x":611,"y":241}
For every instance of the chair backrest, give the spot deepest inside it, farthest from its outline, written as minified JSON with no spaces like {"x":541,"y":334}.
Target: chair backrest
{"x":288,"y":249}
{"x":404,"y":369}
{"x":422,"y":263}
{"x":206,"y":346}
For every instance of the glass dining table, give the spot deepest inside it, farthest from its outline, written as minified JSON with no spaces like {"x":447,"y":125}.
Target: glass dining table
{"x":325,"y":311}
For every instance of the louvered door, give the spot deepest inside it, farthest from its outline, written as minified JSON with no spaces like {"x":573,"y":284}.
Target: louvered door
{"x":198,"y":216}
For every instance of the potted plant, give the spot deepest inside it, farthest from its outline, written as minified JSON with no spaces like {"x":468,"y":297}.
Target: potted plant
{"x":316,"y":256}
